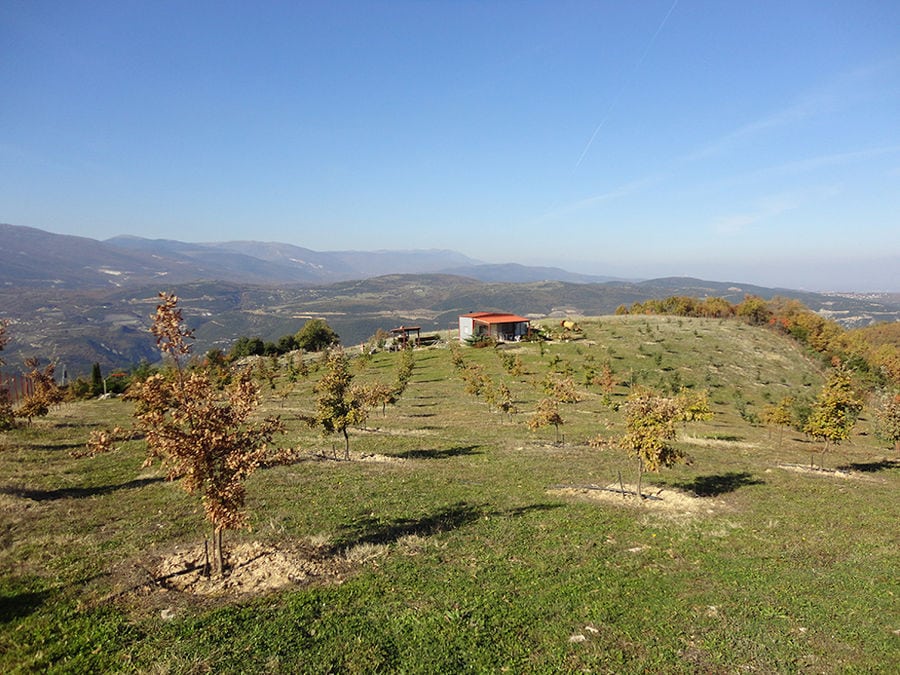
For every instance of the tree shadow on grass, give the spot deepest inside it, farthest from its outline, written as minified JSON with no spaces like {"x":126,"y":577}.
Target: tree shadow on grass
{"x":57,"y":446}
{"x":77,"y":492}
{"x":871,"y":467}
{"x":20,"y":605}
{"x":718,"y":484}
{"x":440,"y":453}
{"x":373,"y":530}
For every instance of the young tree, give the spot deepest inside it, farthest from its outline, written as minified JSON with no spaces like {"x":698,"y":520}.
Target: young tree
{"x":206,"y":436}
{"x":607,"y":382}
{"x":456,"y":356}
{"x":405,"y":370}
{"x":780,"y":415}
{"x":44,"y":394}
{"x":835,"y":411}
{"x":297,"y":367}
{"x":512,"y":363}
{"x":340,"y":405}
{"x":547,"y":412}
{"x":315,"y":336}
{"x":887,"y":419}
{"x":650,"y":422}
{"x":379,"y":394}
{"x":562,"y":388}
{"x":504,"y":400}
{"x":477,"y":381}
{"x":694,"y":405}
{"x":96,"y":380}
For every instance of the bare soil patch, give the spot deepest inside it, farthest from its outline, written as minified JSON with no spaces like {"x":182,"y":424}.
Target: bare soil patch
{"x":253,"y":568}
{"x":666,"y":501}
{"x":718,"y":443}
{"x":174,"y":582}
{"x":825,"y":472}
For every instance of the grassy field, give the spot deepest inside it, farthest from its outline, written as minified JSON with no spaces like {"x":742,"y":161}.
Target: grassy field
{"x":459,"y":541}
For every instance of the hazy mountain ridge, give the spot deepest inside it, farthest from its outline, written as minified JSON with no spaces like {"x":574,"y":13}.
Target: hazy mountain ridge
{"x":47,"y":260}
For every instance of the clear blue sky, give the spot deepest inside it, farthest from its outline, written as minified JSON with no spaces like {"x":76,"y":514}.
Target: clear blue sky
{"x":745,"y":141}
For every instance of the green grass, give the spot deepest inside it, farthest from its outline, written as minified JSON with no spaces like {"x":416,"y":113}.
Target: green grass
{"x":480,"y":567}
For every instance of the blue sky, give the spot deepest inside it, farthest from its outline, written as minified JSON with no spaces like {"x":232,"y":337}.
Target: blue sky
{"x":741,"y":141}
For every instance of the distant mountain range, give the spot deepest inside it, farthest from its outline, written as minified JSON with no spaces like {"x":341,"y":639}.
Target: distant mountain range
{"x":79,"y":301}
{"x":37,"y":259}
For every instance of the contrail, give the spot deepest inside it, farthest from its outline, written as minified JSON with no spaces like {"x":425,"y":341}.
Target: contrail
{"x":618,"y":95}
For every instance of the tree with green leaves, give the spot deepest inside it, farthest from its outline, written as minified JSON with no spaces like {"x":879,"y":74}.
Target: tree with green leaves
{"x":780,"y":415}
{"x":456,"y":356}
{"x":835,"y":411}
{"x":246,"y":346}
{"x":405,"y":369}
{"x":96,"y":380}
{"x":887,"y":419}
{"x":694,"y":405}
{"x":315,"y":336}
{"x":754,"y":310}
{"x":339,"y":405}
{"x":650,"y":423}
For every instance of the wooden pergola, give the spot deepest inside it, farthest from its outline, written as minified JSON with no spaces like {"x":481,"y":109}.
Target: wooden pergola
{"x":403,"y":334}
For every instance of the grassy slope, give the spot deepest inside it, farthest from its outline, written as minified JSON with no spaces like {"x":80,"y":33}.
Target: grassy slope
{"x":475,"y":564}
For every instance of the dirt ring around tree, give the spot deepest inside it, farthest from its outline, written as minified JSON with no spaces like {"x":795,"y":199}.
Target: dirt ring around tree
{"x":252,"y":568}
{"x":667,"y":501}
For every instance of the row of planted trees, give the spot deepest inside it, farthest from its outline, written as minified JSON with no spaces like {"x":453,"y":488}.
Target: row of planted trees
{"x":205,"y":430}
{"x":829,"y":418}
{"x":650,"y":418}
{"x":872,"y":352}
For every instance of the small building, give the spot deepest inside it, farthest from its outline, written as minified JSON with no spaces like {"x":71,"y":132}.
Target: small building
{"x":500,"y":327}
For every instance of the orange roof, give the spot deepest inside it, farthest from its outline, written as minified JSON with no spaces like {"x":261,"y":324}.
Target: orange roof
{"x":495,"y":317}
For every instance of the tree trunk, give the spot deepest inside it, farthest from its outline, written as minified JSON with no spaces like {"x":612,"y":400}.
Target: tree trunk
{"x":206,"y":569}
{"x":346,"y":445}
{"x":640,"y":478}
{"x":220,"y":560}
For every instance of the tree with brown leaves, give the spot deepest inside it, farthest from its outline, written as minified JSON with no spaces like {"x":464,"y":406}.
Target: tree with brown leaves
{"x":43,"y":393}
{"x":205,"y":435}
{"x":547,"y":413}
